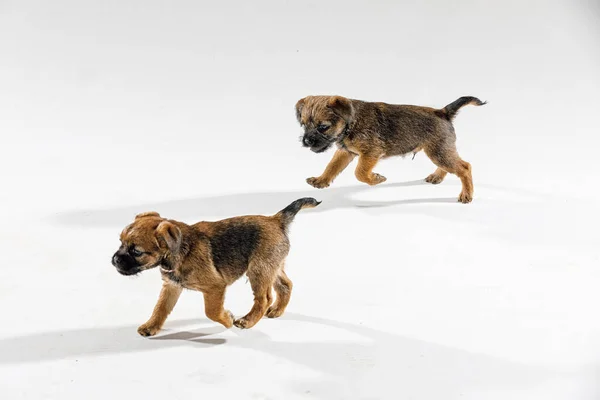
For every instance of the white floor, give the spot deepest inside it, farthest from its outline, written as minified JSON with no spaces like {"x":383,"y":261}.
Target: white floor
{"x":113,"y":108}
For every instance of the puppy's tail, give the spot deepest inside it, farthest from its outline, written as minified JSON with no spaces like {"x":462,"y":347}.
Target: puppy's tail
{"x":287,"y":214}
{"x":450,"y":111}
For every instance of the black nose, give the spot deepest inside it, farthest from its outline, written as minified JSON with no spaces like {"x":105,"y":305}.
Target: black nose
{"x":115,"y":259}
{"x":308,"y":141}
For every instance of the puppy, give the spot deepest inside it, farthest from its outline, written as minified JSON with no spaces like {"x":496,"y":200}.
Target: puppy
{"x":208,"y":257}
{"x":373,"y":131}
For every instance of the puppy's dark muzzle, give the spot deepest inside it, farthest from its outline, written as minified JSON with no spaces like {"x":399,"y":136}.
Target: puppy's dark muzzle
{"x":123,"y":265}
{"x":317,"y":142}
{"x":309,"y":141}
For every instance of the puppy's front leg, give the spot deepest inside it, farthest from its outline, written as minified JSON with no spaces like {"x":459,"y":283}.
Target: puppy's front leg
{"x":338,"y":163}
{"x":169,"y":295}
{"x":364,"y":170}
{"x":213,"y":307}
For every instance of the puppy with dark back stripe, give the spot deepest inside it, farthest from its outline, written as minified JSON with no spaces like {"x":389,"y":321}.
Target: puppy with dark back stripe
{"x":210,"y":256}
{"x":373,"y":131}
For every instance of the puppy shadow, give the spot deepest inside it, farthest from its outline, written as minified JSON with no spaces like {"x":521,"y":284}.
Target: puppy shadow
{"x":441,"y":200}
{"x":386,"y":365}
{"x":193,"y":336}
{"x":371,"y":363}
{"x":91,"y":342}
{"x":228,"y":205}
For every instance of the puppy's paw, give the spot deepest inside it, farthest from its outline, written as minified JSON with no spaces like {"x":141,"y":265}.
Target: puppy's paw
{"x":317,"y":183}
{"x":148,"y":330}
{"x":434,"y":179}
{"x":376,"y":179}
{"x":241,"y":323}
{"x":273,"y":312}
{"x":228,"y":322}
{"x":465,"y":197}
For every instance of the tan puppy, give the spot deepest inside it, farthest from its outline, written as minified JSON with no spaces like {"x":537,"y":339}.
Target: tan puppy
{"x":208,"y":257}
{"x":373,"y":131}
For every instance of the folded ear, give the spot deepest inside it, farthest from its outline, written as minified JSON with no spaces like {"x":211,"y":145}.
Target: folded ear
{"x":170,"y":234}
{"x":147,"y":214}
{"x":342,"y":107}
{"x":299,"y":107}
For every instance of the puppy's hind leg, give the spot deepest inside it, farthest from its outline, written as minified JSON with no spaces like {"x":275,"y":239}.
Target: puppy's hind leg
{"x":169,"y":295}
{"x":283,"y":288}
{"x":261,"y":279}
{"x":269,"y":297}
{"x":445,"y":156}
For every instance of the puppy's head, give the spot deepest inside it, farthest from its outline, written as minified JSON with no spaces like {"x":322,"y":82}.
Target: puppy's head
{"x":323,"y":118}
{"x":145,"y":243}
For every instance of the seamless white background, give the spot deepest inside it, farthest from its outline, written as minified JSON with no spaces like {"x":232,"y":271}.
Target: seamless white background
{"x":112,"y":108}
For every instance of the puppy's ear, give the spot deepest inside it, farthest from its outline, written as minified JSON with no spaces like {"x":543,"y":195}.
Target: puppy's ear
{"x":342,"y":107}
{"x":299,"y":107}
{"x":147,"y":214}
{"x":170,"y":234}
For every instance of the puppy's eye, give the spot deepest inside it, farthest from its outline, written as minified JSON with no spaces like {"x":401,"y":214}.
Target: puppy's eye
{"x":135,"y":252}
{"x":322,"y":128}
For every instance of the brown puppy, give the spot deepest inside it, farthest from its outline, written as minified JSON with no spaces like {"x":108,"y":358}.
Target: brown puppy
{"x":208,"y":257}
{"x":374,"y":131}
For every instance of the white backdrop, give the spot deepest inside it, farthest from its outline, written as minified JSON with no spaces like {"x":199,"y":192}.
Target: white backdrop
{"x":112,"y":108}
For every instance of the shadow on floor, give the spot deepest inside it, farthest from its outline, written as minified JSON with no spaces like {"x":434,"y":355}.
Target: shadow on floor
{"x":266,"y":203}
{"x":379,"y":365}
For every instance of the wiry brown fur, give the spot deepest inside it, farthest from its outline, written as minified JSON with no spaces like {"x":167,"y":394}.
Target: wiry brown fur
{"x":210,"y":256}
{"x":373,"y":131}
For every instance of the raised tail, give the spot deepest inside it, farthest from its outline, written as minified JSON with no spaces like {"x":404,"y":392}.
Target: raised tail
{"x":287,"y":214}
{"x":451,"y":109}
